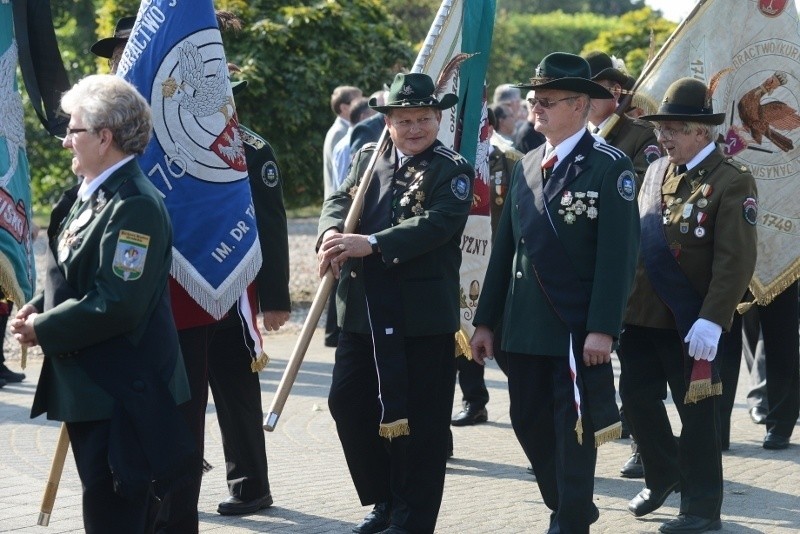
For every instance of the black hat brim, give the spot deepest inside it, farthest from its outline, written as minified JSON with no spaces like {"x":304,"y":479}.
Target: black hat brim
{"x":238,"y":86}
{"x":704,"y":118}
{"x":578,"y":85}
{"x":105,"y":47}
{"x":616,"y":76}
{"x":447,"y":101}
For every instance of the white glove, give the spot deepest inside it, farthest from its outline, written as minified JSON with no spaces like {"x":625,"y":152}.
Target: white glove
{"x":703,"y":338}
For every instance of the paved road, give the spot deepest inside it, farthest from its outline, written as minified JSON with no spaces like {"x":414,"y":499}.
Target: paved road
{"x":487,"y":488}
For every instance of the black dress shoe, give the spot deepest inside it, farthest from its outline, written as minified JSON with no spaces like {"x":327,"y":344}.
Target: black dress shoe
{"x":471,"y":415}
{"x":690,"y":524}
{"x":10,"y":376}
{"x":394,"y":530}
{"x":758,"y":415}
{"x":633,"y":468}
{"x":775,"y":441}
{"x":376,"y":521}
{"x":2,"y":382}
{"x":235,"y":506}
{"x":650,"y":500}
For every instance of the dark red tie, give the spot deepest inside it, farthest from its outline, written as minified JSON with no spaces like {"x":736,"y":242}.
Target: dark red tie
{"x":550,"y":163}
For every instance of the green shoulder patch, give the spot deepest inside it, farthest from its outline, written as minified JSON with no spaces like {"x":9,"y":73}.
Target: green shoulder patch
{"x":450,"y":154}
{"x":130,"y":254}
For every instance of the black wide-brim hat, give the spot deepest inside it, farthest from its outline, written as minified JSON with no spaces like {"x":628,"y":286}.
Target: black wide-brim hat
{"x":105,"y":47}
{"x":413,"y":90}
{"x":686,"y":100}
{"x":237,"y":86}
{"x":602,"y":68}
{"x":567,"y":72}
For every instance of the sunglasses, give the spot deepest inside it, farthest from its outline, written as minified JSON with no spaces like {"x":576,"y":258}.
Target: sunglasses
{"x":547,"y":104}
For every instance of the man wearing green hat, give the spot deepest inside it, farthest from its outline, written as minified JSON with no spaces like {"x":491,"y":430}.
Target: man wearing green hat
{"x":398,"y":301}
{"x":561,"y":267}
{"x":698,"y":219}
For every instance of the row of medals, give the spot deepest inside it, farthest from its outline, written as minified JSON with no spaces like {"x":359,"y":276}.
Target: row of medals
{"x":70,"y":240}
{"x":572,"y":211}
{"x":701,"y":203}
{"x":413,"y":190}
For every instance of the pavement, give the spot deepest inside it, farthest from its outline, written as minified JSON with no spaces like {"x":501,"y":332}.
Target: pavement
{"x":487,"y":488}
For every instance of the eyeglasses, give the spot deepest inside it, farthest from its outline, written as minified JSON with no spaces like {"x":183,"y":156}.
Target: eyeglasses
{"x":72,"y":131}
{"x":666,"y":133}
{"x":547,"y":104}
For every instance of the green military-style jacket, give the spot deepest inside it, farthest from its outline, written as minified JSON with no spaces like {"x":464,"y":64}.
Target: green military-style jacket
{"x":115,"y":252}
{"x":710,"y":216}
{"x":596,"y":219}
{"x":419,"y":235}
{"x":266,"y":185}
{"x":501,"y":164}
{"x":636,"y":139}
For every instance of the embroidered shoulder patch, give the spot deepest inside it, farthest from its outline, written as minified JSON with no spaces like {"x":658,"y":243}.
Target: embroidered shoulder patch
{"x":269,"y":174}
{"x":460,"y":186}
{"x":251,"y":139}
{"x":750,"y":210}
{"x":452,"y":155}
{"x":130,"y":255}
{"x":651,"y":153}
{"x":626,"y":186}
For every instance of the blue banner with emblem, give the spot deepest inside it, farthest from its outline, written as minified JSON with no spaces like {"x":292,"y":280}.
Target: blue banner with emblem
{"x":175,"y":58}
{"x":17,"y":275}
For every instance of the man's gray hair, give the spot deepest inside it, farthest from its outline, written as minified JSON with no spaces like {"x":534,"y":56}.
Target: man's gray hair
{"x":506,"y":93}
{"x":108,"y":101}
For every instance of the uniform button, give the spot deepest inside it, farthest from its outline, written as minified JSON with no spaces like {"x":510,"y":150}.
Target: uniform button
{"x":522,"y":240}
{"x":138,"y":386}
{"x":519,"y":274}
{"x":396,"y":260}
{"x":352,"y":274}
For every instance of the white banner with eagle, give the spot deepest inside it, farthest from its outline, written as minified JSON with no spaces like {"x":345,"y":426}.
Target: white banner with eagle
{"x":754,"y":47}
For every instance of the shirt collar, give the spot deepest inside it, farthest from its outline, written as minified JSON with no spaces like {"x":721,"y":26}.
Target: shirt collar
{"x":566,"y":146}
{"x":703,"y":154}
{"x":86,"y":190}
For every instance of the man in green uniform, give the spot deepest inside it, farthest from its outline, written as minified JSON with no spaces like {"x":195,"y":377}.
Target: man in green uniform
{"x":398,"y":307}
{"x":698,"y":254}
{"x":561,"y":266}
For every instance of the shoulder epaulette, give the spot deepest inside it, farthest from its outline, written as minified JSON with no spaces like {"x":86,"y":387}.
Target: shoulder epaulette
{"x":370,"y":146}
{"x":249,"y":137}
{"x":736,"y":165}
{"x":450,"y":154}
{"x":608,"y":150}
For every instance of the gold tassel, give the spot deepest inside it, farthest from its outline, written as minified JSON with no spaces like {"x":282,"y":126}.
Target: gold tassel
{"x":462,"y":345}
{"x":609,"y":433}
{"x":743,"y":307}
{"x":258,"y":364}
{"x":394,"y":429}
{"x":579,"y":430}
{"x":701,"y":389}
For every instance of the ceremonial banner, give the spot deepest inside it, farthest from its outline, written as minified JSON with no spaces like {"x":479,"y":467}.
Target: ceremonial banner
{"x":465,"y":27}
{"x":17,"y":275}
{"x":175,"y":58}
{"x":755,"y":45}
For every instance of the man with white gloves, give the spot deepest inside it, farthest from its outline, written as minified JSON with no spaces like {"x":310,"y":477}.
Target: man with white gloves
{"x":698,"y":250}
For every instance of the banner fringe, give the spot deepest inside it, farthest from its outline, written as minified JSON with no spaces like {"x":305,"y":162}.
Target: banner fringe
{"x":765,"y":294}
{"x":13,"y":292}
{"x":701,"y":389}
{"x":609,"y":433}
{"x":462,"y":344}
{"x":579,"y":430}
{"x":394,"y":429}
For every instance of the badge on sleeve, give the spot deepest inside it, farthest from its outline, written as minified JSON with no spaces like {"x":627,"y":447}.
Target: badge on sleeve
{"x":626,"y":186}
{"x":651,"y":153}
{"x":269,"y":174}
{"x":750,"y":210}
{"x":460,"y":186}
{"x":130,"y":255}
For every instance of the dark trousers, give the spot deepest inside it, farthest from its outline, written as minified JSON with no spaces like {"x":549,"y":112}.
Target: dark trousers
{"x":103,"y":510}
{"x":729,"y":351}
{"x":331,"y":325}
{"x":216,"y":354}
{"x":778,"y":321}
{"x":543,"y":417}
{"x":470,"y":379}
{"x":407,"y":471}
{"x":650,"y":360}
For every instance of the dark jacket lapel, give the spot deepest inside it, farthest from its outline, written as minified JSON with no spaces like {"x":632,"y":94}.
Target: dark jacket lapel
{"x":570,"y":168}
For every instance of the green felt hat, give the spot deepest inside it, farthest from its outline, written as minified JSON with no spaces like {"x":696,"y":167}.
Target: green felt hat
{"x":413,"y":90}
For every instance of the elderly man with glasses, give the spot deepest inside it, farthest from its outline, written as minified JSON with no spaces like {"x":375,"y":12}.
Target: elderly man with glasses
{"x":698,"y":219}
{"x":563,"y":260}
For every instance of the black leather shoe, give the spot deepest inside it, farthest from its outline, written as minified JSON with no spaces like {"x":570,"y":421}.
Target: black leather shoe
{"x":10,"y":376}
{"x":690,"y":524}
{"x":235,"y":506}
{"x":633,"y":468}
{"x":775,"y":441}
{"x":394,"y":530}
{"x":375,"y":521}
{"x":2,"y":382}
{"x":758,"y":415}
{"x":650,"y":500}
{"x":471,"y":415}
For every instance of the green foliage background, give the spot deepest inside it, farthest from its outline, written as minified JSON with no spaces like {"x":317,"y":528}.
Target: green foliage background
{"x":294,"y":52}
